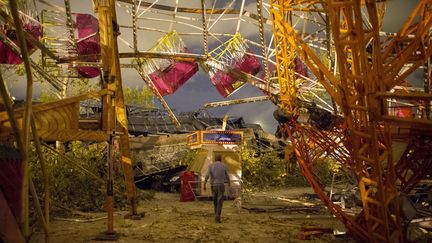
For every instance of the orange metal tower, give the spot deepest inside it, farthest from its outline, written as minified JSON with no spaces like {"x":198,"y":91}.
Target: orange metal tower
{"x":369,"y":67}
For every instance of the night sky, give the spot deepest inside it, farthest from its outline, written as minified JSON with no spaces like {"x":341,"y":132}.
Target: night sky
{"x":199,"y":90}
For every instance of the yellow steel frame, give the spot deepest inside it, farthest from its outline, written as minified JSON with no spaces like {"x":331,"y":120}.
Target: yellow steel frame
{"x":291,"y":42}
{"x":114,"y":114}
{"x":284,"y":56}
{"x":358,"y":91}
{"x":358,"y":81}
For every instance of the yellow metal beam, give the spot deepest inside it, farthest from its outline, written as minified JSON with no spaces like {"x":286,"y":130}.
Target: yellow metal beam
{"x":113,"y":107}
{"x":285,"y":56}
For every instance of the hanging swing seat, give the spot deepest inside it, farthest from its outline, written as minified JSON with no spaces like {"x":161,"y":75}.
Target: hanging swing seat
{"x":169,"y":75}
{"x":173,"y":77}
{"x":7,"y":56}
{"x":88,"y":43}
{"x":235,"y":54}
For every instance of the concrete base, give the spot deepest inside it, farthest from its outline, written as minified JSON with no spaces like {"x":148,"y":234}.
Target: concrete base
{"x":105,"y":236}
{"x":135,"y":216}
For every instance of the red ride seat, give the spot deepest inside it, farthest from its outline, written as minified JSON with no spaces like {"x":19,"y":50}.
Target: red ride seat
{"x":226,"y":84}
{"x":88,"y":28}
{"x":173,"y":77}
{"x":7,"y":56}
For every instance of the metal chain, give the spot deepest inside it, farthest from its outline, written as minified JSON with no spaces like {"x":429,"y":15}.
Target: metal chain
{"x":70,"y":25}
{"x":134,"y":26}
{"x":205,"y":31}
{"x":71,"y":72}
{"x":263,"y":42}
{"x":139,"y":68}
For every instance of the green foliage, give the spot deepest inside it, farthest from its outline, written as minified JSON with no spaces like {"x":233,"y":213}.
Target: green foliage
{"x":263,"y":170}
{"x":70,"y":186}
{"x":20,"y":70}
{"x":143,"y":98}
{"x":81,"y":86}
{"x":269,"y":170}
{"x":189,"y":156}
{"x":46,"y":97}
{"x":72,"y":88}
{"x":323,"y":170}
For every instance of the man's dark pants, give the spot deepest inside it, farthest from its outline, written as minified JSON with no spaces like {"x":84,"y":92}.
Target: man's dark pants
{"x":218,"y":191}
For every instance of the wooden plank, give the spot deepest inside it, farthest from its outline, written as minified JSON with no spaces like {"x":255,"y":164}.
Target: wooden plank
{"x":52,"y":105}
{"x":64,"y":135}
{"x":64,"y":117}
{"x":74,"y":135}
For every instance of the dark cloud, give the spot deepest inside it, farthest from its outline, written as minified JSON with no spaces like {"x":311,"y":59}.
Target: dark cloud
{"x":397,"y":12}
{"x":199,"y":90}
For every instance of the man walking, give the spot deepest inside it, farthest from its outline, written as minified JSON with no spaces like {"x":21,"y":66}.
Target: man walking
{"x":218,"y":174}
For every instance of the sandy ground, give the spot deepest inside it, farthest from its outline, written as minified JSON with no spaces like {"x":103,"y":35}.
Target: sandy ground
{"x":275,"y":216}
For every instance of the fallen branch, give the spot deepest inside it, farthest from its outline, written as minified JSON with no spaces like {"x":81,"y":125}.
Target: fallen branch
{"x":80,"y":220}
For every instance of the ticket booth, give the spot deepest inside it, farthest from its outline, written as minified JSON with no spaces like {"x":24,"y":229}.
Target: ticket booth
{"x":208,"y":144}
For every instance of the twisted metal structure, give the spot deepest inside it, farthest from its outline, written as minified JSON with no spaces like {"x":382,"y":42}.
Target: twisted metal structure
{"x":337,"y":77}
{"x":369,"y":69}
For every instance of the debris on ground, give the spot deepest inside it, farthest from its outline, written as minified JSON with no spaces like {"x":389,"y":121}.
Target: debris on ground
{"x":167,"y":219}
{"x":307,"y":232}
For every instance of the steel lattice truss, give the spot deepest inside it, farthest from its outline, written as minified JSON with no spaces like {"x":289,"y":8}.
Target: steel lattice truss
{"x":313,"y":58}
{"x":370,"y":67}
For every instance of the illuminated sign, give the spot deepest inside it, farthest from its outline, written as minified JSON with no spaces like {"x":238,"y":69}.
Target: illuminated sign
{"x":215,"y":137}
{"x":222,"y":137}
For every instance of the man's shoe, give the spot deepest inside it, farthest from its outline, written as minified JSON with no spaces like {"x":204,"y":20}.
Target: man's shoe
{"x":217,"y":220}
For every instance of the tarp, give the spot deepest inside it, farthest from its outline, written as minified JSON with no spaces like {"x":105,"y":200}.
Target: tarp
{"x":89,"y":42}
{"x":7,"y":56}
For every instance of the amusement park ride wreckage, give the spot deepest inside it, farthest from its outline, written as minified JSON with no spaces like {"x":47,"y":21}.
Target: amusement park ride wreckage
{"x":350,"y":96}
{"x":369,"y":68}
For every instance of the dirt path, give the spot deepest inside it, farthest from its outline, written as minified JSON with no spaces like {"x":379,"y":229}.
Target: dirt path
{"x":168,"y":220}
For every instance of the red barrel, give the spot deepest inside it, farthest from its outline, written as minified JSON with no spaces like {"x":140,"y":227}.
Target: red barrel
{"x":186,"y":187}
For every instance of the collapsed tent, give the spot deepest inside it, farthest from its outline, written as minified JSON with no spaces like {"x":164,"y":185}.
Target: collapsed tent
{"x":236,"y":55}
{"x":7,"y":56}
{"x":169,"y":75}
{"x":88,"y":43}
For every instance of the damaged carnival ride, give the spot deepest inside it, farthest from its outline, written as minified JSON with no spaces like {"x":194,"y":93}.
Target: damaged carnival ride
{"x":375,"y":126}
{"x":162,"y":151}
